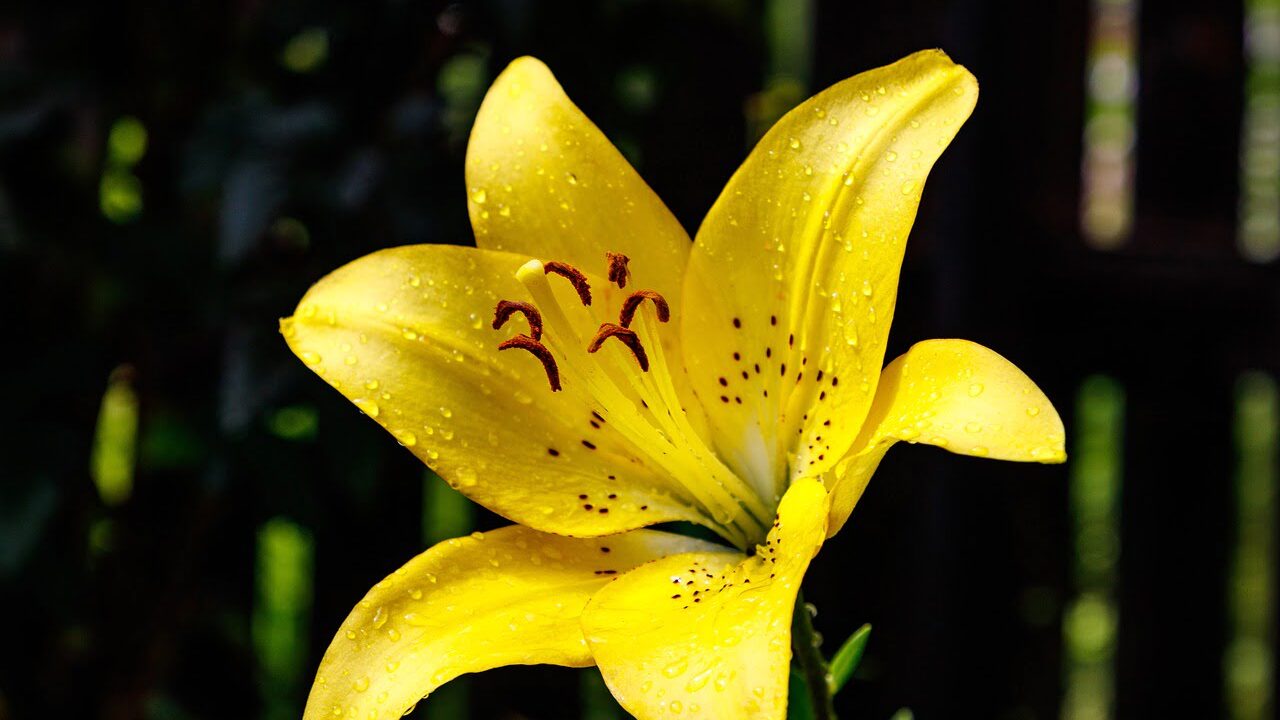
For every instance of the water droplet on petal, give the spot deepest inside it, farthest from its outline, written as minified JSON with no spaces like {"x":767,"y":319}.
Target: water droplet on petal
{"x":677,"y":668}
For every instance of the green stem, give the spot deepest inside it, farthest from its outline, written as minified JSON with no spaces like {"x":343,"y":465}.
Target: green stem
{"x":804,"y":643}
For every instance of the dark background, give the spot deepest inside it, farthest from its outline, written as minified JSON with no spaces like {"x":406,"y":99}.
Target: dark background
{"x":266,"y":167}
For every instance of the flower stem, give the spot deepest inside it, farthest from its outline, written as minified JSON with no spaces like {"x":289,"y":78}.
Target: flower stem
{"x":804,"y":643}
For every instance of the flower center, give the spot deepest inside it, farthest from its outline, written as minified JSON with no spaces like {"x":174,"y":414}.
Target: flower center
{"x":628,"y":382}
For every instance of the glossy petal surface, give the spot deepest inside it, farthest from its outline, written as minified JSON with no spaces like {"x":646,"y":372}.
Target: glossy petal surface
{"x":956,"y":395}
{"x":793,"y":279}
{"x":508,"y":597}
{"x":708,"y":635}
{"x":405,"y":334}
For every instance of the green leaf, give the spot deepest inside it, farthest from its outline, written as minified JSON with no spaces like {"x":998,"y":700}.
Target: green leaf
{"x":848,"y":657}
{"x":799,"y":706}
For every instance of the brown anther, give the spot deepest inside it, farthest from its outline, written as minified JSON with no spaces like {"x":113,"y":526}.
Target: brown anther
{"x":632,"y":303}
{"x":573,"y":275}
{"x":507,"y":308}
{"x":540,"y":351}
{"x":627,"y":336}
{"x":618,"y":270}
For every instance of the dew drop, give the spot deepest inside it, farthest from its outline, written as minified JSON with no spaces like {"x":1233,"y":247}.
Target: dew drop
{"x":908,"y":186}
{"x":976,"y":389}
{"x":465,"y":476}
{"x":677,"y":668}
{"x":368,"y":407}
{"x":479,"y":196}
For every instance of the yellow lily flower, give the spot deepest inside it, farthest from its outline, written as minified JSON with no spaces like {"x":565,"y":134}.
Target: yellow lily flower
{"x":734,"y":382}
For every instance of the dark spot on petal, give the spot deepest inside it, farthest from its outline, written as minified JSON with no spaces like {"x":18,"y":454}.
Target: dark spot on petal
{"x":773,"y":319}
{"x":724,"y":398}
{"x":737,"y":356}
{"x":588,"y":444}
{"x":724,"y":382}
{"x":834,"y":381}
{"x":737,"y":323}
{"x":588,"y":506}
{"x":553,"y":452}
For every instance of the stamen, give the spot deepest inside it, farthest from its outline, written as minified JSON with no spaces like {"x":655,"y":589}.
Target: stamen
{"x":618,"y":270}
{"x":573,"y":275}
{"x":632,"y":303}
{"x":627,"y":336}
{"x":507,"y":308}
{"x":538,"y":350}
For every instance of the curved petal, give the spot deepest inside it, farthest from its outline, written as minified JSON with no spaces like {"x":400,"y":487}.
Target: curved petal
{"x":956,"y":395}
{"x":708,"y":635}
{"x":794,"y":275}
{"x":508,"y":597}
{"x":542,"y":180}
{"x":405,"y":334}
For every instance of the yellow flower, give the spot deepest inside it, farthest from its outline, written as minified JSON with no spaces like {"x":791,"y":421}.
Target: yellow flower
{"x":587,"y":372}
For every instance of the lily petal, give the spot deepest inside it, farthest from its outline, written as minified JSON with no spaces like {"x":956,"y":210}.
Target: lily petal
{"x":956,"y":395}
{"x":542,"y":180}
{"x":405,"y":334}
{"x":708,"y":635}
{"x":508,"y":597}
{"x":794,"y":275}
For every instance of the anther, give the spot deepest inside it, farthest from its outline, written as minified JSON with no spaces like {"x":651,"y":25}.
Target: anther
{"x":573,"y":275}
{"x":618,"y":270}
{"x":632,"y":303}
{"x":540,"y":351}
{"x":626,"y":336}
{"x":507,"y":308}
